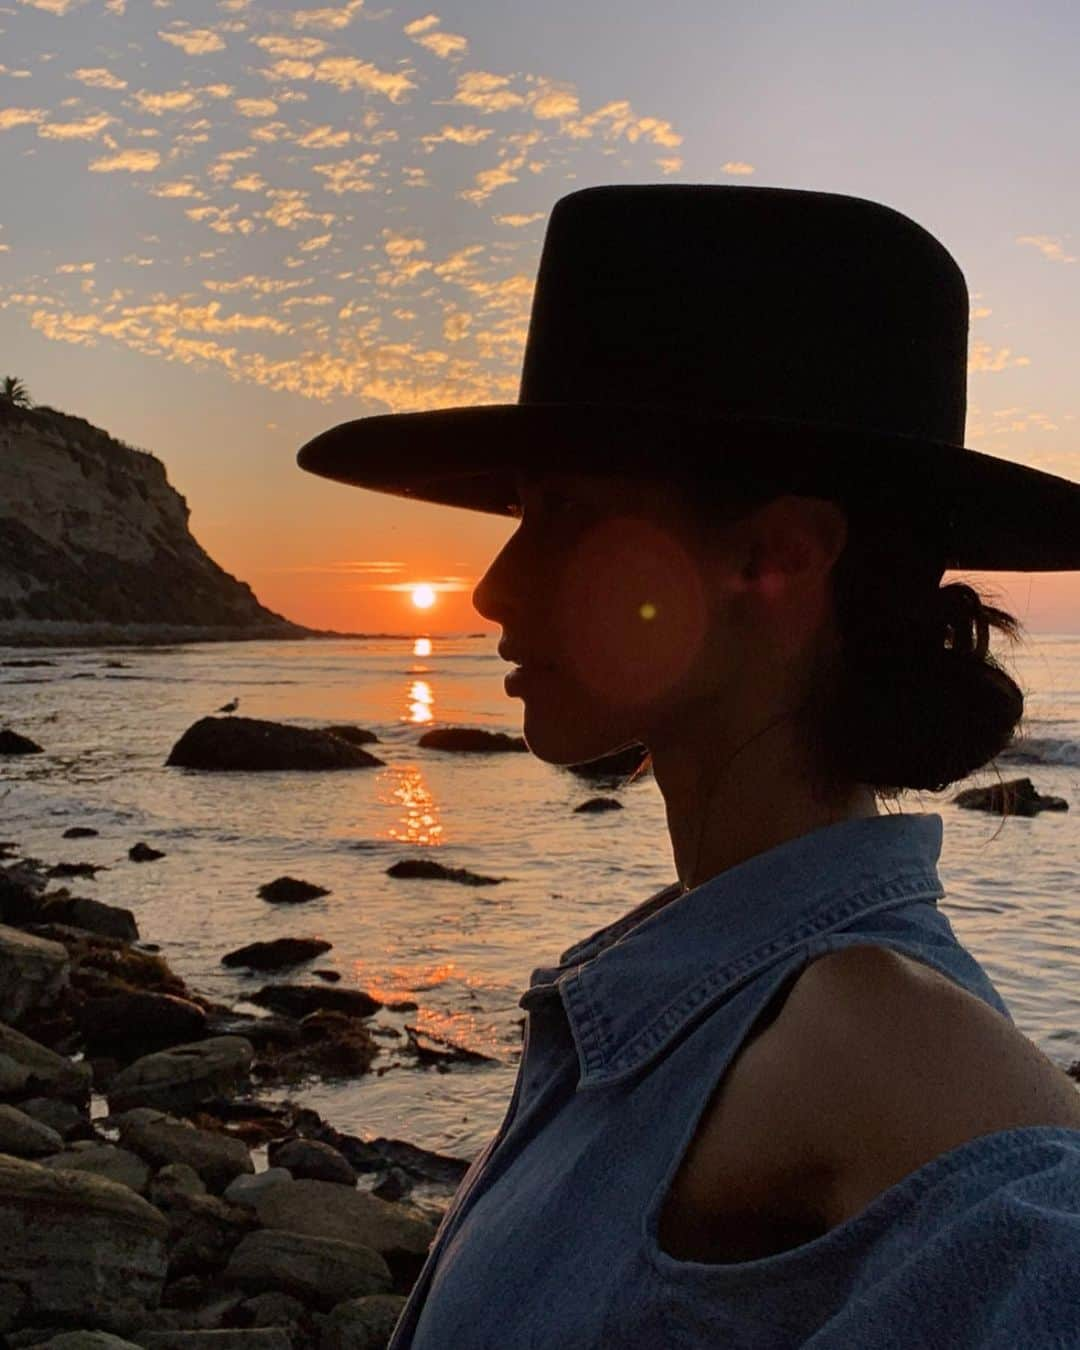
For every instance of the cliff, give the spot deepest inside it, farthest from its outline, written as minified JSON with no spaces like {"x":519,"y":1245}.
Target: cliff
{"x":93,"y":537}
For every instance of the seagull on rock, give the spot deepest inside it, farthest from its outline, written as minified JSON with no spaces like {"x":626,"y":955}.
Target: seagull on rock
{"x":230,"y":707}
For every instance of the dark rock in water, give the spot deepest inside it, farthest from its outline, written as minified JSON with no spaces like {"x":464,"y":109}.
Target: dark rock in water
{"x":354,"y":735}
{"x":377,"y":1155}
{"x":311,"y":1158}
{"x":141,"y":852}
{"x":1017,"y":797}
{"x":276,"y":954}
{"x":334,"y":1045}
{"x":330,"y":976}
{"x":135,"y":1023}
{"x":80,"y":832}
{"x":619,"y":764}
{"x":247,"y":743}
{"x":472,"y":740}
{"x":78,"y":911}
{"x":402,"y":1005}
{"x":424,"y":867}
{"x":394,"y":1185}
{"x":262,"y":1032}
{"x":7,"y":848}
{"x":64,"y":869}
{"x":96,"y":956}
{"x":451,"y":1054}
{"x":599,"y":804}
{"x":290,"y":891}
{"x":23,"y":663}
{"x":11,"y":743}
{"x":182,"y":1076}
{"x":297,"y":1000}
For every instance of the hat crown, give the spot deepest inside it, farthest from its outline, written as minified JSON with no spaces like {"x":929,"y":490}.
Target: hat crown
{"x":750,"y":302}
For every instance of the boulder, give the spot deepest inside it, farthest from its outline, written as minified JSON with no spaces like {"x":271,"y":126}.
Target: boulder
{"x":142,"y":852}
{"x":181,"y":1077}
{"x":63,"y":1117}
{"x":311,"y":1159}
{"x":11,"y":743}
{"x":354,"y":735}
{"x":426,"y":867}
{"x":471,"y":740}
{"x":1017,"y":797}
{"x":274,"y":1310}
{"x":103,"y":1160}
{"x":597,"y":804}
{"x":248,"y":743}
{"x":325,"y":1210}
{"x":76,"y":869}
{"x":33,"y":972}
{"x":162,"y":1139}
{"x":297,"y":1000}
{"x":84,"y":1249}
{"x":172,"y":1181}
{"x":290,"y":891}
{"x":138,"y":1022}
{"x":276,"y":954}
{"x":203,"y":1232}
{"x":79,"y":832}
{"x":245,"y":1190}
{"x":333,"y":1045}
{"x":22,"y":1136}
{"x":394,"y":1184}
{"x":72,"y":911}
{"x":28,"y":1069}
{"x":322,"y":1271}
{"x":362,"y":1323}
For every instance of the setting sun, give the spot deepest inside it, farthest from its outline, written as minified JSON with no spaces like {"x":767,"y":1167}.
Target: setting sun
{"x":423,"y":597}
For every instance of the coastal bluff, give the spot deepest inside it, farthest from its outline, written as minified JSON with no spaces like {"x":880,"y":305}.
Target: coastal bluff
{"x":95,"y":543}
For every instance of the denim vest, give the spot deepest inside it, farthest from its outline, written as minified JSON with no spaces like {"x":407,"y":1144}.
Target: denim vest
{"x":551,"y":1239}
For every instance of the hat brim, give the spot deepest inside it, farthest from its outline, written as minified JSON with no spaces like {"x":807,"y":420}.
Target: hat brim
{"x":995,"y":515}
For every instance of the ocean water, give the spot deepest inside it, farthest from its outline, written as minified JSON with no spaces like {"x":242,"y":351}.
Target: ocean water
{"x":107,"y":718}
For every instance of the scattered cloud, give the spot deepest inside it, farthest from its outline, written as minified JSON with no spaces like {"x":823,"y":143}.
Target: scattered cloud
{"x":737,"y":166}
{"x":982,"y":357}
{"x":21,"y":117}
{"x":518,"y":219}
{"x":486,"y":91}
{"x":329,"y":20}
{"x":127,"y":161}
{"x":86,"y":130}
{"x":194,"y":41}
{"x":98,"y":78}
{"x":255,"y":107}
{"x":1048,"y":246}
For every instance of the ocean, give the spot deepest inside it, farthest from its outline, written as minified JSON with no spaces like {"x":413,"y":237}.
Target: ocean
{"x":108,"y":717}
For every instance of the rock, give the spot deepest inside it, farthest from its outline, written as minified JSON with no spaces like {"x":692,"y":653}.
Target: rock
{"x":73,"y":911}
{"x":451,"y":1053}
{"x":103,"y":1160}
{"x":88,"y":1340}
{"x":33,"y":972}
{"x":321,"y":1271}
{"x":248,"y":743}
{"x":276,"y":954}
{"x":323,"y":1209}
{"x":425,"y":867}
{"x":203,"y":1232}
{"x":297,"y":1000}
{"x":274,"y":1310}
{"x":80,"y":869}
{"x":229,"y":1338}
{"x":162,"y":1139}
{"x":377,"y":1154}
{"x":27,"y":1068}
{"x":1017,"y":797}
{"x":99,"y":961}
{"x":619,"y":764}
{"x":595,"y":804}
{"x":11,"y":743}
{"x":289,"y":891}
{"x":330,"y":976}
{"x":179,"y":1078}
{"x":354,"y":735}
{"x":80,"y":832}
{"x":24,"y":1137}
{"x":333,"y":1045}
{"x":245,"y":1190}
{"x":471,"y":740}
{"x":262,"y":1032}
{"x":311,"y":1159}
{"x":83,"y":1248}
{"x":172,"y":1181}
{"x":362,"y":1323}
{"x":142,"y":852}
{"x":12,"y":1303}
{"x":395,"y":1185}
{"x":139,"y":1022}
{"x":63,"y":1117}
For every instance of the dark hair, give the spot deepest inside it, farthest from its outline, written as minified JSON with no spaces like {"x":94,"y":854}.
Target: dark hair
{"x":909,"y":696}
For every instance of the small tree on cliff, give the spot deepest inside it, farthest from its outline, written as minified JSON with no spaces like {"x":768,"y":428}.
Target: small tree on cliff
{"x":13,"y":391}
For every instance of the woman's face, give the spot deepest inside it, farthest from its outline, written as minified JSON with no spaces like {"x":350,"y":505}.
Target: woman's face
{"x":605,"y":583}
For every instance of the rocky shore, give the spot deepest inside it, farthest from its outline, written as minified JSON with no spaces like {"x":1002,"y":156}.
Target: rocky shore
{"x":148,"y":1194}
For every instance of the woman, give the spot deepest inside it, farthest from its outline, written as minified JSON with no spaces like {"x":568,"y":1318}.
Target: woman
{"x":778,"y":1104}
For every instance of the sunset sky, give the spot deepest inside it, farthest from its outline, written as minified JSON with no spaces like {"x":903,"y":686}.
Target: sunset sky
{"x":226,"y":225}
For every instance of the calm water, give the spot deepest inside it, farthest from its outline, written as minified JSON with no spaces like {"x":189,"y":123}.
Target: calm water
{"x":463,"y":953}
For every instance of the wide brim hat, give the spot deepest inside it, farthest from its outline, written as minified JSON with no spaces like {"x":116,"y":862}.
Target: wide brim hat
{"x":712,"y":333}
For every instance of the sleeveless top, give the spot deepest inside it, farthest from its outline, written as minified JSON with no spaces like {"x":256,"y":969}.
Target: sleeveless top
{"x":550,"y":1242}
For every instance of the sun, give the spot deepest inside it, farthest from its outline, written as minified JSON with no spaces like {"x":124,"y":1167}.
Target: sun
{"x":423,"y":597}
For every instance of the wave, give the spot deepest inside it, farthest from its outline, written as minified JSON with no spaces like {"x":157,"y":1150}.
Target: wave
{"x":1043,"y":750}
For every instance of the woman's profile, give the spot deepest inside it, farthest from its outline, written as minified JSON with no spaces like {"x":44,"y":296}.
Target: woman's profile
{"x":778,"y":1103}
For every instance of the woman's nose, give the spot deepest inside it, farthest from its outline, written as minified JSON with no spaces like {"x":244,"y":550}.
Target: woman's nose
{"x":498,"y":591}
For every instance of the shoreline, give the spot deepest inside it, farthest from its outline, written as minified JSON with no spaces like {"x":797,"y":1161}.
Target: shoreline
{"x":61,"y":633}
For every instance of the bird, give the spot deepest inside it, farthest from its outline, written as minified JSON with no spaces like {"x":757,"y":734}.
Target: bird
{"x":230,"y":707}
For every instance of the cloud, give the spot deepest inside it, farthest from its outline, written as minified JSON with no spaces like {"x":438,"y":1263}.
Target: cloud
{"x":1049,"y":247}
{"x":301,"y":48}
{"x":222,"y":220}
{"x":86,"y":130}
{"x":255,"y":107}
{"x":21,"y":117}
{"x":289,"y":209}
{"x":329,"y":19}
{"x":982,"y":357}
{"x":517,"y":220}
{"x":310,"y":245}
{"x":550,"y":102}
{"x":75,"y":267}
{"x":170,"y":100}
{"x":348,"y":175}
{"x":323,"y":138}
{"x":423,"y":25}
{"x":98,"y":77}
{"x":127,"y":161}
{"x":467,"y":135}
{"x":486,"y":91}
{"x":669,"y":163}
{"x":194,"y":41}
{"x":176,"y":189}
{"x":444,"y":45}
{"x":251,"y":182}
{"x":345,"y":73}
{"x":57,"y":7}
{"x":737,"y":166}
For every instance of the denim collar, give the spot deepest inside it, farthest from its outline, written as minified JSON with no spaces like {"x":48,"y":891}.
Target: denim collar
{"x":631,"y":987}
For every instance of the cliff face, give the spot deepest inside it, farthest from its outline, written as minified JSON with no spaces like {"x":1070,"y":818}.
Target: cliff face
{"x":91,"y":532}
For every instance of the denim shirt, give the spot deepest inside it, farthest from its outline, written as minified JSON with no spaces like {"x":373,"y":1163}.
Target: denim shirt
{"x":551,"y":1240}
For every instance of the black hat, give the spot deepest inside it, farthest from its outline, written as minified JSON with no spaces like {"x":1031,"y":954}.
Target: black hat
{"x":704,"y":331}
